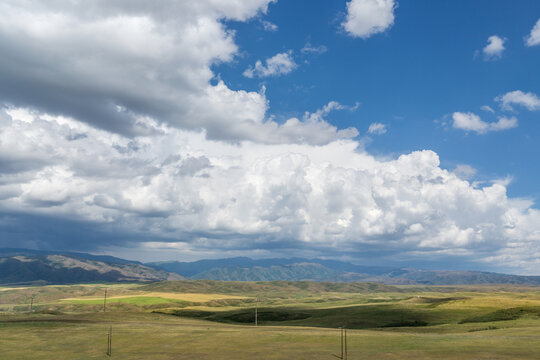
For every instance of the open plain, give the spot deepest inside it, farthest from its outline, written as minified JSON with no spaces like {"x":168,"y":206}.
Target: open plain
{"x":296,"y":320}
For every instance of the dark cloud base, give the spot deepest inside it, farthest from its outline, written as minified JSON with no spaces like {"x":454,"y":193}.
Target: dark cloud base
{"x":52,"y":233}
{"x":57,"y":234}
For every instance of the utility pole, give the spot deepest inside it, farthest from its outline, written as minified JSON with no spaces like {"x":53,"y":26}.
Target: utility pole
{"x":109,"y":342}
{"x":32,"y":304}
{"x":105,"y":301}
{"x":343,"y":353}
{"x":346,"y":352}
{"x":256,"y":310}
{"x":341,"y":342}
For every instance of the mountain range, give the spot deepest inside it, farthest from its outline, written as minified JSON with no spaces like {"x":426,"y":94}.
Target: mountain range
{"x":298,"y":269}
{"x":22,"y":266}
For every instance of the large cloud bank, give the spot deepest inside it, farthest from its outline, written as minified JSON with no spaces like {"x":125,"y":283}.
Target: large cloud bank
{"x":176,"y":185}
{"x":109,"y":63}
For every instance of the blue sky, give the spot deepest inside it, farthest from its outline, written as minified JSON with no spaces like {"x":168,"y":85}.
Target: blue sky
{"x":411,"y":78}
{"x":380,"y":132}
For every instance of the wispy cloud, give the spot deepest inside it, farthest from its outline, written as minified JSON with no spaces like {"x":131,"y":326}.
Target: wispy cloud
{"x":321,"y":113}
{"x":472,"y":122}
{"x":377,"y":129}
{"x":279,"y":64}
{"x":311,"y":49}
{"x":464,"y":171}
{"x":268,"y":26}
{"x":528,"y":100}
{"x":487,"y":108}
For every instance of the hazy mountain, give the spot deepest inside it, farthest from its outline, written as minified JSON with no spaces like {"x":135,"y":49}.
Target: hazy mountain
{"x":298,"y":269}
{"x":291,"y":272}
{"x":19,"y":266}
{"x":31,"y":266}
{"x":195,"y":268}
{"x":440,"y":277}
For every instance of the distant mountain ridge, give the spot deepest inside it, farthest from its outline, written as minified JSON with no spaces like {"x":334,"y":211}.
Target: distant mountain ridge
{"x":301,"y":269}
{"x":189,"y":269}
{"x":290,"y":272}
{"x":5,"y":252}
{"x":19,"y":266}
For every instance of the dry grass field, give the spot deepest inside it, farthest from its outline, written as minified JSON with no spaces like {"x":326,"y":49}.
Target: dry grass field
{"x":212,"y":320}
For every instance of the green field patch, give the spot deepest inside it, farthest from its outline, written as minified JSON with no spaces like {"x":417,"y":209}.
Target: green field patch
{"x":483,"y":329}
{"x":438,"y":301}
{"x":264,"y":315}
{"x":503,"y":315}
{"x":190,"y":313}
{"x":406,"y":323}
{"x":353,"y":317}
{"x":244,"y":316}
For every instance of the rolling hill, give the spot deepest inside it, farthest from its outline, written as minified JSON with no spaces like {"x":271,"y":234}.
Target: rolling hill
{"x":31,"y":267}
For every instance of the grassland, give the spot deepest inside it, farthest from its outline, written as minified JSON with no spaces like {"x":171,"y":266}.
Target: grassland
{"x":214,"y":320}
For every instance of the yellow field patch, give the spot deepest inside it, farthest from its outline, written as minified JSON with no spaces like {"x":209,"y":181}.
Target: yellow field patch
{"x":491,"y":301}
{"x":6,"y":289}
{"x":192,"y":297}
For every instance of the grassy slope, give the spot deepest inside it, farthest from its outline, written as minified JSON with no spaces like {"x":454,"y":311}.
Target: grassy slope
{"x":145,"y":336}
{"x":462,"y":323}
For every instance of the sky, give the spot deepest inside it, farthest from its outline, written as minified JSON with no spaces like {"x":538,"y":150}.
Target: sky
{"x":380,"y":132}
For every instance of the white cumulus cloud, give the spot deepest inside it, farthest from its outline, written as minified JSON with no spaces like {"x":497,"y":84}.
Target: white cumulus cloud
{"x":176,"y":186}
{"x":494,"y":48}
{"x":504,"y":123}
{"x":369,"y":17}
{"x":113,"y":63}
{"x":473,"y":122}
{"x":534,"y":37}
{"x":528,"y":100}
{"x":111,"y":119}
{"x":279,"y":64}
